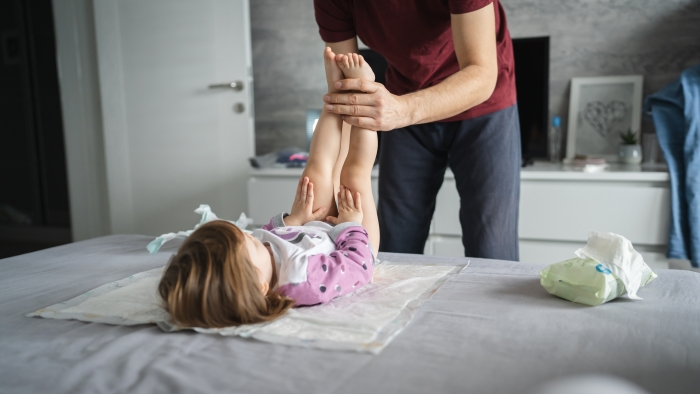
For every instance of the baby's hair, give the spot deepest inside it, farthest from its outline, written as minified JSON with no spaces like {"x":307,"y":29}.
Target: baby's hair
{"x":211,"y":282}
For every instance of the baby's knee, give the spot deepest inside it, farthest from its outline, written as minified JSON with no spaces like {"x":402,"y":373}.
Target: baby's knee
{"x":318,"y":171}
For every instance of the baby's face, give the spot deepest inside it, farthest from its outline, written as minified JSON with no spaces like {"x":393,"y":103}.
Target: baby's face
{"x":261,"y":259}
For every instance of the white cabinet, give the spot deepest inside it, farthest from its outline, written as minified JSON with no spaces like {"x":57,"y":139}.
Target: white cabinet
{"x":558,"y":207}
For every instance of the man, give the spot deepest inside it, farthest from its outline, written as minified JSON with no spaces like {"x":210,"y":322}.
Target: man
{"x":449,"y":100}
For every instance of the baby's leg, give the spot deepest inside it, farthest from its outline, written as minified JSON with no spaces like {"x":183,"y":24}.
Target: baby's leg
{"x":325,"y":145}
{"x":344,"y":144}
{"x":356,"y":174}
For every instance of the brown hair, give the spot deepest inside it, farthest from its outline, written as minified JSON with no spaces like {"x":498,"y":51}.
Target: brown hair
{"x":211,"y":281}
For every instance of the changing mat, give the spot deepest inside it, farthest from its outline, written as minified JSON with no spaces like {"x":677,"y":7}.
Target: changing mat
{"x":365,"y":321}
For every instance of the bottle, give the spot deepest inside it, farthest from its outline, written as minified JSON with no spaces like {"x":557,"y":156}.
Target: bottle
{"x":555,"y":140}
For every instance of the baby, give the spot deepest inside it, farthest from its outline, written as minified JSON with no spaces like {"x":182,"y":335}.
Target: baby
{"x":222,"y":276}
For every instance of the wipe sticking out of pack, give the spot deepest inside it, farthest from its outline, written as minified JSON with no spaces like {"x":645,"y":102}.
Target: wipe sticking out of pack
{"x":207,"y":216}
{"x":607,"y":267}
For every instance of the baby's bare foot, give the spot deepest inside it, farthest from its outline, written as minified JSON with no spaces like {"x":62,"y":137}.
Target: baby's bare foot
{"x":333,"y":73}
{"x":354,"y":66}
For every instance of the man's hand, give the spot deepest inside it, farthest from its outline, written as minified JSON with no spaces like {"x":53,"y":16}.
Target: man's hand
{"x":372,"y":107}
{"x":302,"y":208}
{"x":349,"y":208}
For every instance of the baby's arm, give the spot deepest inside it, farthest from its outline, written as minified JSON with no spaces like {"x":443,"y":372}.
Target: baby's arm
{"x":275,"y":222}
{"x":343,"y":271}
{"x":302,"y":208}
{"x":328,"y":276}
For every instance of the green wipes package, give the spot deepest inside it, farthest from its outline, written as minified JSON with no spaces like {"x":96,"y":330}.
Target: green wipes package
{"x":606,"y":268}
{"x":586,"y":281}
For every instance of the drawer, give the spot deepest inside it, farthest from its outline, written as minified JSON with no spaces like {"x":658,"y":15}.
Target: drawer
{"x":567,"y":211}
{"x":269,"y":196}
{"x":446,"y":246}
{"x":547,"y":252}
{"x":446,"y":216}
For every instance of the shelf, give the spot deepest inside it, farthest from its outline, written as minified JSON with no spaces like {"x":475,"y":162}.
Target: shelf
{"x":615,"y":172}
{"x":289,"y":172}
{"x":539,"y":171}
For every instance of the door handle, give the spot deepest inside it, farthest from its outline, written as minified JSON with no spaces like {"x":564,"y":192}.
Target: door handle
{"x":235,"y":85}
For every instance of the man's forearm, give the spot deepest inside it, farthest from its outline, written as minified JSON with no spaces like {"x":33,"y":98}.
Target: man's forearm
{"x":463,"y":90}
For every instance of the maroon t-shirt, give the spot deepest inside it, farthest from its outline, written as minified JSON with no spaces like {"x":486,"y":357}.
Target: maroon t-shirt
{"x":415,"y":37}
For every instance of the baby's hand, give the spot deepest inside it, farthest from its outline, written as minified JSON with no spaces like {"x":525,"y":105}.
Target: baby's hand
{"x":302,"y":208}
{"x":349,"y":208}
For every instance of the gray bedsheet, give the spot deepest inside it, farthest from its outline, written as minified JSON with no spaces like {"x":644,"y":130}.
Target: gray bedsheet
{"x":492,"y":329}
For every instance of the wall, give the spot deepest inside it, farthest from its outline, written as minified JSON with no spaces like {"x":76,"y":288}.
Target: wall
{"x":288,"y":71}
{"x":588,"y":38}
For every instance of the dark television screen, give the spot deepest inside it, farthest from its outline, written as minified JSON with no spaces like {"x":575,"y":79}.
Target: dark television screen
{"x":532,"y":84}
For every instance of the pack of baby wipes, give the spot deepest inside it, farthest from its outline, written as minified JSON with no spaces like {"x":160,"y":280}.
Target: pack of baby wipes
{"x":606,"y":268}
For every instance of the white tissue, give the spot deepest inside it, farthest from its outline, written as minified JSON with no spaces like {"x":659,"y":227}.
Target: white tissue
{"x":207,"y":216}
{"x":616,"y":253}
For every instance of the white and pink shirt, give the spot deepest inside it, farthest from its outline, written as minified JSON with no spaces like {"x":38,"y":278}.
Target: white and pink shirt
{"x":317,"y":262}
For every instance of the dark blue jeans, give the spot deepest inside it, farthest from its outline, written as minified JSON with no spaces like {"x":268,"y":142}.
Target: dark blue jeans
{"x":484,"y":155}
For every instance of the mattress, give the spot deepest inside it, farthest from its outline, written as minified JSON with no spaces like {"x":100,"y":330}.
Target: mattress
{"x":490,"y":329}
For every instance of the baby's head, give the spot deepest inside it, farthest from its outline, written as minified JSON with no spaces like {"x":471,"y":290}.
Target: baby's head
{"x":220,"y":277}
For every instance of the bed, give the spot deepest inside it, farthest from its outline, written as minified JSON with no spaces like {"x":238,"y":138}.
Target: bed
{"x":490,"y":329}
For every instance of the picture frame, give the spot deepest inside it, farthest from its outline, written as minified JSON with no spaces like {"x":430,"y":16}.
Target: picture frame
{"x":600,"y":108}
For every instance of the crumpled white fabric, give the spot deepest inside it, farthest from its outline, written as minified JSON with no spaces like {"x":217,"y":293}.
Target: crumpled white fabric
{"x":616,"y":253}
{"x":207,"y":216}
{"x":364,"y":321}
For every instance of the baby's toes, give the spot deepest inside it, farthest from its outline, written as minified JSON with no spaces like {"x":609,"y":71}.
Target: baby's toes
{"x":355,"y":60}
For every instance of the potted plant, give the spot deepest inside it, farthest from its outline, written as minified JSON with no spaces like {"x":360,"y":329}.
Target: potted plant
{"x":630,"y":150}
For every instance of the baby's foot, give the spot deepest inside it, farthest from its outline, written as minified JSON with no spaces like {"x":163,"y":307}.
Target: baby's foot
{"x":354,"y":66}
{"x":333,"y":73}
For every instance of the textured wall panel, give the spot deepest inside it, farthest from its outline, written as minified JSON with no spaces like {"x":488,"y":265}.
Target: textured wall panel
{"x":655,"y":38}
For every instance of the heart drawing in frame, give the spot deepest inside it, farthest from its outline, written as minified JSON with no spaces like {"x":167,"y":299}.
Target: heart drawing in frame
{"x":602,"y":117}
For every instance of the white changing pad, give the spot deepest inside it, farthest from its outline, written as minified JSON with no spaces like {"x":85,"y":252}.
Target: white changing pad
{"x":366,"y":320}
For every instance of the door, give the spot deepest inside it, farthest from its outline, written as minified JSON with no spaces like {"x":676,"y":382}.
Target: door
{"x":34,"y":206}
{"x":176,"y":95}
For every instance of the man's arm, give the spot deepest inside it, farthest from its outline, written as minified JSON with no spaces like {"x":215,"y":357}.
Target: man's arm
{"x":474,"y":36}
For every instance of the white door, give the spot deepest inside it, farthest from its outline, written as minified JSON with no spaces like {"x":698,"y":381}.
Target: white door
{"x":172,"y":142}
